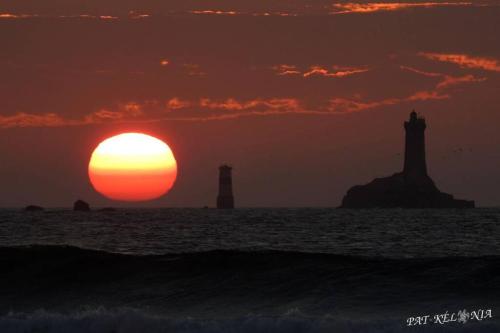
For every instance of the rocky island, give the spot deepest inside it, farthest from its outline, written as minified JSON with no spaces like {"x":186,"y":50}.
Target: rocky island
{"x":411,"y":188}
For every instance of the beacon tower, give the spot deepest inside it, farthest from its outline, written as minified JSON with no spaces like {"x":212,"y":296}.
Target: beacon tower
{"x":411,"y":188}
{"x":414,"y":165}
{"x":225,"y":199}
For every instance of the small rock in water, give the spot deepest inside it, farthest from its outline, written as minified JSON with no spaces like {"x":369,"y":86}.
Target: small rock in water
{"x":33,"y":208}
{"x":81,"y":206}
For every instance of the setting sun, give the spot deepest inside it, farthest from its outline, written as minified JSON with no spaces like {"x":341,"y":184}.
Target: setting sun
{"x":132,"y":167}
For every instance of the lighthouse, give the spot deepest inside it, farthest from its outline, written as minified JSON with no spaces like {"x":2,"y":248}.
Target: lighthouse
{"x":225,"y":199}
{"x":412,"y":188}
{"x":415,"y":166}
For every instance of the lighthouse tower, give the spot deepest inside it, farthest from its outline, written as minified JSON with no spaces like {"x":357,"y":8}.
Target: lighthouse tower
{"x":415,"y":166}
{"x":225,"y":199}
{"x":412,"y":188}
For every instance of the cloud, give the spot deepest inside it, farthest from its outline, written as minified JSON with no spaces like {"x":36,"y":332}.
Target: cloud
{"x":449,"y":81}
{"x":282,"y":14}
{"x":286,"y":9}
{"x":417,"y":71}
{"x":123,"y":112}
{"x":22,"y":119}
{"x":208,"y":109}
{"x":446,"y":80}
{"x":16,"y":16}
{"x":137,"y":15}
{"x":154,"y":110}
{"x":366,"y":8}
{"x":177,"y":103}
{"x":108,"y":17}
{"x":426,"y":95}
{"x":214,"y":12}
{"x":127,"y":111}
{"x":86,"y":16}
{"x":335,"y":72}
{"x":344,"y":105}
{"x":439,"y":92}
{"x":13,"y":16}
{"x":465,"y":61}
{"x":232,"y":104}
{"x":287,"y":70}
{"x":339,"y":71}
{"x":246,"y":13}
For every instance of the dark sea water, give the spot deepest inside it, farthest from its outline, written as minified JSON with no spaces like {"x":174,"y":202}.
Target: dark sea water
{"x":249,"y":270}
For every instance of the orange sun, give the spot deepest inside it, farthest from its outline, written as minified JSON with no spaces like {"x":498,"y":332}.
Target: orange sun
{"x":132,"y":167}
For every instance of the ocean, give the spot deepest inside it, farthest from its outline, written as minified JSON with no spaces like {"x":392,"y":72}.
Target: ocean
{"x":250,"y":270}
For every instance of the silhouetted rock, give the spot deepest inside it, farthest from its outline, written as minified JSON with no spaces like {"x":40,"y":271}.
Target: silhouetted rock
{"x":33,"y":208}
{"x":81,"y":206}
{"x":412,"y":188}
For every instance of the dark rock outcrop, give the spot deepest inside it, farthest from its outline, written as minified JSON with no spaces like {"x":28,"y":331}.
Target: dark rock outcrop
{"x":412,"y":188}
{"x":33,"y":208}
{"x":399,"y":191}
{"x":81,"y":206}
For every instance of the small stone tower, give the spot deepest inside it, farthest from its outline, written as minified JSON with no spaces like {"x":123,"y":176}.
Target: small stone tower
{"x":225,"y":199}
{"x":415,"y":166}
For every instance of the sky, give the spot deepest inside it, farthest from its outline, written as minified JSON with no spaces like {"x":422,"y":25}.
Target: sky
{"x":303,"y":98}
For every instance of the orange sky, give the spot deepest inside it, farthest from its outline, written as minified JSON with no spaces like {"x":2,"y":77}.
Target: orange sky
{"x":304,"y":98}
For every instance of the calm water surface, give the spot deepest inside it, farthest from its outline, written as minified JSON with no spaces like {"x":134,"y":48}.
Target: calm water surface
{"x":388,"y":233}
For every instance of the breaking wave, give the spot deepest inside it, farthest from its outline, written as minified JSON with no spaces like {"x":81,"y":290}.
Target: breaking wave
{"x":237,"y":291}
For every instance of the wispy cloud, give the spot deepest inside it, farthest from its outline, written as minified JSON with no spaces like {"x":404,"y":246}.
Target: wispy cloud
{"x":22,"y":119}
{"x":232,"y":104}
{"x":123,"y":112}
{"x":372,"y":7}
{"x":465,"y":61}
{"x":242,"y":13}
{"x":137,"y":15}
{"x":173,"y":109}
{"x":440,"y":91}
{"x":334,"y":72}
{"x":345,"y":105}
{"x":177,"y":104}
{"x":287,"y":70}
{"x":264,"y":10}
{"x":215,"y":12}
{"x":449,"y":81}
{"x":14,"y":16}
{"x":446,"y":80}
{"x":421,"y":72}
{"x":337,"y":71}
{"x":209,"y":109}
